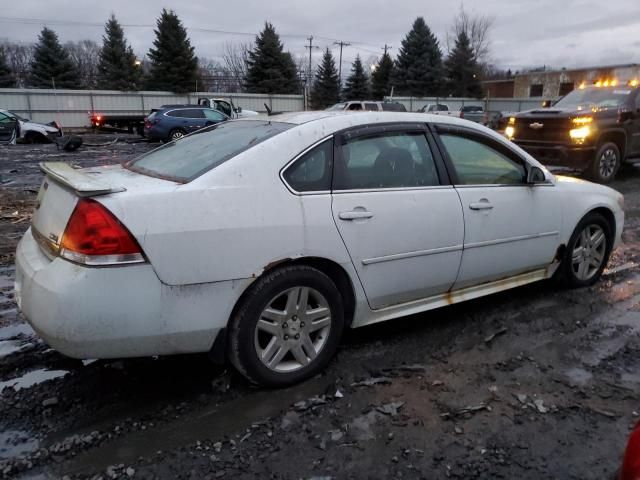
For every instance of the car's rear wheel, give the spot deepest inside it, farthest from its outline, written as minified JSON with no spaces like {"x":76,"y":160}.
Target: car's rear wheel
{"x":176,"y":134}
{"x":606,"y":163}
{"x":287,"y":327}
{"x":588,"y":251}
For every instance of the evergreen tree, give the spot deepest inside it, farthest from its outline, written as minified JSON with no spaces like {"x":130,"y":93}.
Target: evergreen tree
{"x":357,"y":86}
{"x":269,"y":68}
{"x":117,"y":69}
{"x":6,"y":76}
{"x":326,"y":86}
{"x":463,"y":73}
{"x":174,"y":67}
{"x":51,"y":63}
{"x":381,"y":77}
{"x":419,"y":70}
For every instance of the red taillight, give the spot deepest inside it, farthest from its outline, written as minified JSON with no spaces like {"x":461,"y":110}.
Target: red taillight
{"x":93,"y":236}
{"x":631,"y":466}
{"x":461,"y":114}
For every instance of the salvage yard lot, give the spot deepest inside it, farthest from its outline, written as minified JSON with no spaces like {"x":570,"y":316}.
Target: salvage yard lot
{"x":531,"y":383}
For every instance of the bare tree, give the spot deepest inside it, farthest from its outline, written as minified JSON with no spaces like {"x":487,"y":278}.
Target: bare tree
{"x":85,"y":54}
{"x":19,"y":56}
{"x":477,"y":28}
{"x":234,"y":59}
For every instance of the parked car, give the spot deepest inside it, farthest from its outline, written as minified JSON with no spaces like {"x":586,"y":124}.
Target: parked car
{"x":172,"y":122}
{"x":369,"y":105}
{"x":593,"y":129}
{"x":262,"y":240}
{"x":438,"y":109}
{"x":14,"y":127}
{"x":631,"y":463}
{"x":474,"y":113}
{"x":226,"y":107}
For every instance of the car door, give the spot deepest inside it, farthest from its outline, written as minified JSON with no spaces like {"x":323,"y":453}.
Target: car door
{"x":635,"y":127}
{"x":195,"y":119}
{"x":8,"y":126}
{"x":510,"y":227}
{"x":400,"y":219}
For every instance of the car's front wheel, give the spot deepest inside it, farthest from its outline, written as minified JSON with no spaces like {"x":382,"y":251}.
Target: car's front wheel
{"x":588,"y":251}
{"x":287,"y":327}
{"x":606,"y":163}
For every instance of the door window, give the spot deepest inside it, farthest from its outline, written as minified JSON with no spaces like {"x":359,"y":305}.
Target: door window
{"x":5,"y":119}
{"x":312,"y":171}
{"x":213,"y":115}
{"x":388,"y":160}
{"x":224,"y":107}
{"x":372,"y":107}
{"x":355,"y":106}
{"x":476,"y":163}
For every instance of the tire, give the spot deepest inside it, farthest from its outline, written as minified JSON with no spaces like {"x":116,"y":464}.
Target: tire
{"x":268,"y":353}
{"x":569,"y":270}
{"x":605,"y":164}
{"x":176,"y":134}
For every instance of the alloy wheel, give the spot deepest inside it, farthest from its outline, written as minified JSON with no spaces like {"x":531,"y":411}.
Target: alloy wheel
{"x":607,"y":163}
{"x":292,"y":329}
{"x":177,"y":135}
{"x":589,"y":252}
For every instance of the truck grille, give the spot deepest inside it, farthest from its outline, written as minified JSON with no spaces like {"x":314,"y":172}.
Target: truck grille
{"x":543,"y":130}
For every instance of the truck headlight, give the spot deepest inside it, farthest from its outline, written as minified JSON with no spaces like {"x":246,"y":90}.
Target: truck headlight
{"x":580,"y":134}
{"x":510,"y":132}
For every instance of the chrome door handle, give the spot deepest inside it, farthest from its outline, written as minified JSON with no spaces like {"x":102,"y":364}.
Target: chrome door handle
{"x":480,"y":205}
{"x":354,"y":215}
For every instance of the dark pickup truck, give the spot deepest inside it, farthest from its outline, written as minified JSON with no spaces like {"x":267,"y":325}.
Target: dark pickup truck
{"x":593,"y":129}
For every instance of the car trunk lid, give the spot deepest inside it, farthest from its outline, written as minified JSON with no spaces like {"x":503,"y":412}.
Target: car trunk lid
{"x":64,"y":185}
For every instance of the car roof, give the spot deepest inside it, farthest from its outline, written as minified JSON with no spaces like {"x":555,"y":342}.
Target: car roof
{"x":351,"y":118}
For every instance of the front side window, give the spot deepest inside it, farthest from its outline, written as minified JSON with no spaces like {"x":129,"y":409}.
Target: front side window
{"x":224,"y":107}
{"x":205,"y":149}
{"x":355,"y":106}
{"x":388,"y":160}
{"x":476,"y":163}
{"x":5,"y":119}
{"x":312,"y":171}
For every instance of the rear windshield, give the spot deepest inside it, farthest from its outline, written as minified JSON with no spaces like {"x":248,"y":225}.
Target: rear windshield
{"x":595,"y":97}
{"x":338,"y":106}
{"x":471,"y":109}
{"x":191,"y":156}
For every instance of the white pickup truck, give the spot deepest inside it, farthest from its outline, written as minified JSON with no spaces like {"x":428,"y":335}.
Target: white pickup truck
{"x":438,"y":109}
{"x":225,"y":106}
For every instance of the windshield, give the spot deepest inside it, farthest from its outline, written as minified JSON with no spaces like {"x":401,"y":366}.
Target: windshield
{"x":18,"y":117}
{"x":188,"y":158}
{"x":338,"y":106}
{"x":594,"y":98}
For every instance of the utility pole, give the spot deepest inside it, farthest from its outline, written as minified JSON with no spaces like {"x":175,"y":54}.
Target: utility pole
{"x":342,"y":44}
{"x":386,"y":47}
{"x":310,"y":47}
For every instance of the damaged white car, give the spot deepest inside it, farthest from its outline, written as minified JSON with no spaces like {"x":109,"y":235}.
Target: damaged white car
{"x":26,"y":131}
{"x":262,"y":240}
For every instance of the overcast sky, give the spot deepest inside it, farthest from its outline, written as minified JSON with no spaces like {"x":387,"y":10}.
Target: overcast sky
{"x":525,"y":32}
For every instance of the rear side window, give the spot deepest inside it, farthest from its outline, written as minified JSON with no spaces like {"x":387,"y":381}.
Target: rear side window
{"x":477,"y":163}
{"x":312,"y":171}
{"x":388,"y":160}
{"x":393,"y":107}
{"x":188,"y":158}
{"x":372,"y":107}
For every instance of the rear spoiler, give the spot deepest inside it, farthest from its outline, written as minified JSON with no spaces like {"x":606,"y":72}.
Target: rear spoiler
{"x":82,"y":183}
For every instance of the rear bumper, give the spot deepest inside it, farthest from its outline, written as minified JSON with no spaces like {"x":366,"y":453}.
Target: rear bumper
{"x":570,"y":156}
{"x":116,"y":312}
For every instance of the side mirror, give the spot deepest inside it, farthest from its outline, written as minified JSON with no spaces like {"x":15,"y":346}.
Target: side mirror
{"x":535,"y":175}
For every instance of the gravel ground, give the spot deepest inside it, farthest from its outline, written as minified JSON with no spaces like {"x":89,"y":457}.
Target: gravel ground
{"x":531,"y":383}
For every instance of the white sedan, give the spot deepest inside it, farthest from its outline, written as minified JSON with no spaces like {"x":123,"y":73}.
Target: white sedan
{"x":261,"y":240}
